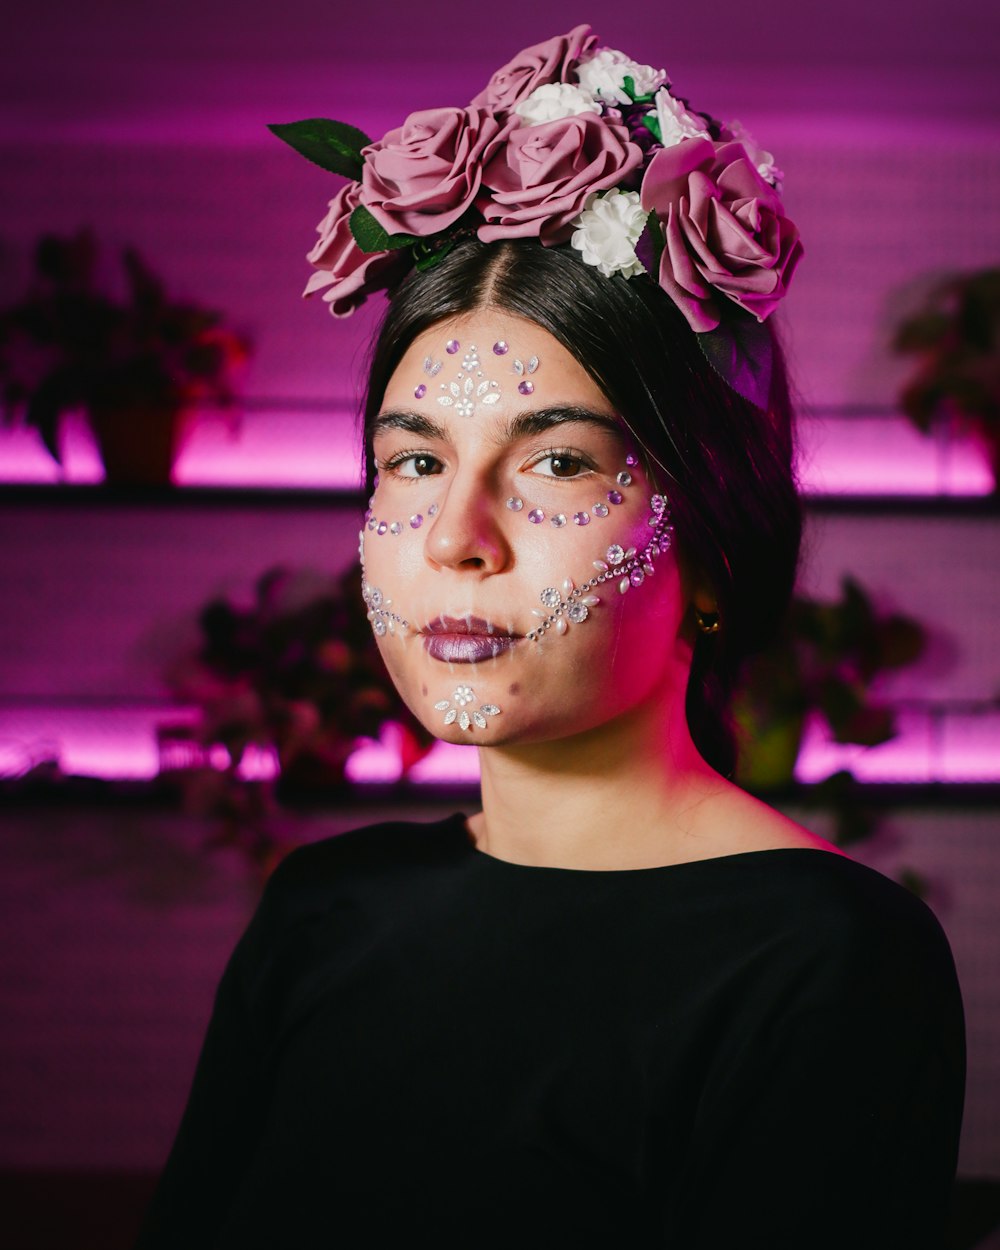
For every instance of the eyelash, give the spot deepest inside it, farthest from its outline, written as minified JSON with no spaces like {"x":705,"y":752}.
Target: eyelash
{"x":586,"y":464}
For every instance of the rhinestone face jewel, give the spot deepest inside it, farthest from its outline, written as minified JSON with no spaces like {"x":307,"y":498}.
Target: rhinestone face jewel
{"x":382,"y":620}
{"x":416,"y":521}
{"x":624,"y":478}
{"x":468,"y":718}
{"x":615,"y":496}
{"x":581,"y":518}
{"x":432,"y":367}
{"x":600,"y":509}
{"x":572,"y":604}
{"x":419,"y":391}
{"x":631,"y":460}
{"x":452,"y":346}
{"x":515,"y":504}
{"x":396,"y":528}
{"x":536,"y":516}
{"x":525,"y":387}
{"x":432,"y":510}
{"x":500,"y":348}
{"x":470,"y":386}
{"x":559,"y":520}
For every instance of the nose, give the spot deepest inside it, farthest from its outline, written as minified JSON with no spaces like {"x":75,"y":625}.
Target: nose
{"x":469,"y":533}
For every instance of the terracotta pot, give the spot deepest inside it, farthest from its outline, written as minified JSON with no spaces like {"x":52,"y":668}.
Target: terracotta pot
{"x":139,"y":446}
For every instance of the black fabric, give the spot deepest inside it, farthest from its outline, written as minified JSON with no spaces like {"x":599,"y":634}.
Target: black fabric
{"x":763,"y":1050}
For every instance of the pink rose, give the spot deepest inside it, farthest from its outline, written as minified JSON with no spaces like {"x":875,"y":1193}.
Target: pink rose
{"x":420,"y":178}
{"x":726,"y":231}
{"x":541,"y":177}
{"x":348,"y":273}
{"x":542,"y":63}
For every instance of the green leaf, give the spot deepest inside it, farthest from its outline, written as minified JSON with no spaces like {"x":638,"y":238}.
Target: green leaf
{"x":331,"y":145}
{"x":426,"y":258}
{"x":371,"y":237}
{"x":739,"y":349}
{"x":650,"y":244}
{"x":628,"y":84}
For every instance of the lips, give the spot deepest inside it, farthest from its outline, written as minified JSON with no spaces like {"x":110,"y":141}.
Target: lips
{"x":466,"y":639}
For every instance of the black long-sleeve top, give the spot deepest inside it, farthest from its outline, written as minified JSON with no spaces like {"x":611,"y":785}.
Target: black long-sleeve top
{"x":412,"y":1037}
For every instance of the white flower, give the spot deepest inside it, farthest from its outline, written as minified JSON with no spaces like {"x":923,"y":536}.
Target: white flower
{"x":554,"y":101}
{"x":607,"y":231}
{"x":675,"y":122}
{"x":762,"y":161}
{"x":605,"y":73}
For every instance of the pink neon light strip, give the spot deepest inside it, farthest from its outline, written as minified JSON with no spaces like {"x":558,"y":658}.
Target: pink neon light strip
{"x":121,"y":744}
{"x":839,"y":455}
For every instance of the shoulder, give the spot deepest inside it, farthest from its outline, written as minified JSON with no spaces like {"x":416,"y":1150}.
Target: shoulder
{"x":349,"y":871}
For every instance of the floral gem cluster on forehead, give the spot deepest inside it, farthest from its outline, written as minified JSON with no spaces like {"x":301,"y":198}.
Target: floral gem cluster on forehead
{"x":470,"y":386}
{"x":578,"y":145}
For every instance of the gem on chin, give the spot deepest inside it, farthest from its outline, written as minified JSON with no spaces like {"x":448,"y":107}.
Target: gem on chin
{"x":536,"y":516}
{"x":581,"y":518}
{"x":525,"y":387}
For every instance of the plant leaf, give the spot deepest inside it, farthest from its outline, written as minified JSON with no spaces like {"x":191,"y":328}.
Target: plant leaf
{"x":739,"y":350}
{"x":371,"y":237}
{"x":331,"y":145}
{"x":650,"y":244}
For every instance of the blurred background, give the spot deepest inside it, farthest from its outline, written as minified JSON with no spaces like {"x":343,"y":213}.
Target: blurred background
{"x":187,"y":687}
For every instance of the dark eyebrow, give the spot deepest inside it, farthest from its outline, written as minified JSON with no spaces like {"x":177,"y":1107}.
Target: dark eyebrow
{"x":521,"y":425}
{"x":539,"y":420}
{"x":410,"y":422}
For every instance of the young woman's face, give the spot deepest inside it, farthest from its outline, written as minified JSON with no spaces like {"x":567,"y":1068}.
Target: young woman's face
{"x":504,"y":474}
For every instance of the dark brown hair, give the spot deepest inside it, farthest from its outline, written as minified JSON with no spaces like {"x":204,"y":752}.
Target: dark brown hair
{"x":725,"y":465}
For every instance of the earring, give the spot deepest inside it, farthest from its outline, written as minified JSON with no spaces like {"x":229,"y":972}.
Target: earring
{"x":708,"y":622}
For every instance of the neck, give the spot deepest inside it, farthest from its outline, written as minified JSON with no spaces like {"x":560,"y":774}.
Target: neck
{"x":624,"y":795}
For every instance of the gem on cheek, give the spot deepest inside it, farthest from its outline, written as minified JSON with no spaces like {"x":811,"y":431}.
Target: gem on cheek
{"x":600,"y":509}
{"x":416,"y":521}
{"x":624,"y":478}
{"x":559,"y":520}
{"x":581,"y":518}
{"x":615,"y":496}
{"x":536,"y":516}
{"x":515,"y":504}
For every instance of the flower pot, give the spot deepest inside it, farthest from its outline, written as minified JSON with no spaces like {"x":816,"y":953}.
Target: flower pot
{"x":139,"y":445}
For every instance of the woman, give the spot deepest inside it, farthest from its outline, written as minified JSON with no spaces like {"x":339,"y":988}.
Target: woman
{"x":625,"y":1003}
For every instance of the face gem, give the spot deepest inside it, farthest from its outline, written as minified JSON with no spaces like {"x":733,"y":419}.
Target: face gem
{"x":525,"y":387}
{"x":559,"y":520}
{"x":536,"y":516}
{"x":500,"y":348}
{"x":631,"y":460}
{"x":600,"y":509}
{"x":581,"y":518}
{"x":615,"y":496}
{"x":419,"y":391}
{"x":615,"y":554}
{"x":416,"y":521}
{"x":515,"y":504}
{"x":432,"y":367}
{"x":382,"y":527}
{"x":476,"y":718}
{"x":396,"y":528}
{"x":432,"y":510}
{"x":452,"y":346}
{"x":624,"y":478}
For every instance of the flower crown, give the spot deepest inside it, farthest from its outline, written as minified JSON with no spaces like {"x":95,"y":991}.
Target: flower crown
{"x":572,"y":144}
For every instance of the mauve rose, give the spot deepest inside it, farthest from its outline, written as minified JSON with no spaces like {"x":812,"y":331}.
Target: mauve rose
{"x":726,"y":231}
{"x":420,"y":178}
{"x":551,"y":61}
{"x":540,"y":179}
{"x":345,"y":274}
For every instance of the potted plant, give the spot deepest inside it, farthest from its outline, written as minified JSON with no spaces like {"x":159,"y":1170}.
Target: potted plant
{"x":827,"y":661}
{"x":297,"y":675}
{"x":138,"y":367}
{"x":956,"y":340}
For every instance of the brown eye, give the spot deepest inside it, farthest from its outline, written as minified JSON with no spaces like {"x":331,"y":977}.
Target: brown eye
{"x":565,"y":466}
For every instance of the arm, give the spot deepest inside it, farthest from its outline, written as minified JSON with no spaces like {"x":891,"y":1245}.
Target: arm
{"x":833,"y":1124}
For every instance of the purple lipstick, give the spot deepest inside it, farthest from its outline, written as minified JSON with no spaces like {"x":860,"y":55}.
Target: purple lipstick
{"x":466,"y":640}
